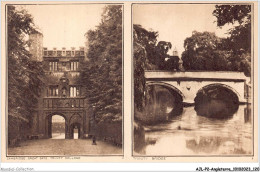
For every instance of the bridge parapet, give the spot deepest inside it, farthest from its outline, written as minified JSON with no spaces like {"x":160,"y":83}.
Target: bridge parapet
{"x":196,"y":75}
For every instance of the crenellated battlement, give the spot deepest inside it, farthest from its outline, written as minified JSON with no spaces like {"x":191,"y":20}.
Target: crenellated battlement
{"x":72,"y":52}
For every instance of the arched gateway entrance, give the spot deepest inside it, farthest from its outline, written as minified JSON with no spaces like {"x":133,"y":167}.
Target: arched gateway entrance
{"x":49,"y":124}
{"x":74,"y":125}
{"x":75,"y":131}
{"x":58,"y":127}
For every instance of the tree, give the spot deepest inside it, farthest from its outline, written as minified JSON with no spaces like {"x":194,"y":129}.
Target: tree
{"x":146,"y":40}
{"x":149,"y":54}
{"x":139,"y":59}
{"x":156,"y":52}
{"x":102,"y":73}
{"x":24,"y":75}
{"x":204,"y":51}
{"x":161,"y":54}
{"x":239,"y":37}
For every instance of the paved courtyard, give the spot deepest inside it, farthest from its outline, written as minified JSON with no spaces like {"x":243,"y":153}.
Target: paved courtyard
{"x":64,"y":147}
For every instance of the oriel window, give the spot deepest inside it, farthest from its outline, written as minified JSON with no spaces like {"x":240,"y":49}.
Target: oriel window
{"x":53,"y":90}
{"x":74,"y":91}
{"x":74,"y":65}
{"x":53,"y":65}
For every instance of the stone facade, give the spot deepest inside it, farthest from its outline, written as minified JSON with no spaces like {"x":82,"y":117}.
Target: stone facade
{"x":61,"y":95}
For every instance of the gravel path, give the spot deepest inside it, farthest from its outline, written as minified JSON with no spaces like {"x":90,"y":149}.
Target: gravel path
{"x":64,"y":147}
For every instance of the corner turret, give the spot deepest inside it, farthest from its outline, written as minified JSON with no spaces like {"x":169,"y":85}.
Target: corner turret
{"x":36,"y":45}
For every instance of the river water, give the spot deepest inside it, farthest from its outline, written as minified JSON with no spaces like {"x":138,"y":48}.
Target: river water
{"x":191,"y":134}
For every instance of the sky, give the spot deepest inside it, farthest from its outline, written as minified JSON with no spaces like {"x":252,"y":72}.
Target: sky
{"x":65,"y":25}
{"x":175,"y":22}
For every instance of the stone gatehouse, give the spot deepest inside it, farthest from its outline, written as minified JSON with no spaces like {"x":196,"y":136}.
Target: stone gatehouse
{"x":61,"y":94}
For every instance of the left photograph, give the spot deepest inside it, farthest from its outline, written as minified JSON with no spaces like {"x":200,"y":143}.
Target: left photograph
{"x":64,"y":79}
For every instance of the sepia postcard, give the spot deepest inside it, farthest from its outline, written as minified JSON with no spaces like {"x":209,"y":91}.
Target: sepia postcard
{"x":64,"y":79}
{"x":129,"y":82}
{"x":193,"y":80}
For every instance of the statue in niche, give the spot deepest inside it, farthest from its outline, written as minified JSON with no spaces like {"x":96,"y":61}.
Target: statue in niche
{"x":64,"y":92}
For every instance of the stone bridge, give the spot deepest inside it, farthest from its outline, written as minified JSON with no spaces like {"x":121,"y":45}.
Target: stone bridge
{"x":188,"y":84}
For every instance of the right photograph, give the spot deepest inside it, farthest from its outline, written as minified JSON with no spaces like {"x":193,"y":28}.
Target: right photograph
{"x":193,"y":79}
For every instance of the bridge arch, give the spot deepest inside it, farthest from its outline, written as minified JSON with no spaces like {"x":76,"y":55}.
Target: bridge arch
{"x":166,"y":85}
{"x":216,"y":101}
{"x":162,"y":102}
{"x":220,"y":85}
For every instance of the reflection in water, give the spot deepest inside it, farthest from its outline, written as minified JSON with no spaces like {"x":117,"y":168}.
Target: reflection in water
{"x":204,"y":144}
{"x":162,"y":104}
{"x":216,"y":102}
{"x":248,"y":113}
{"x":191,"y":134}
{"x":139,"y":138}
